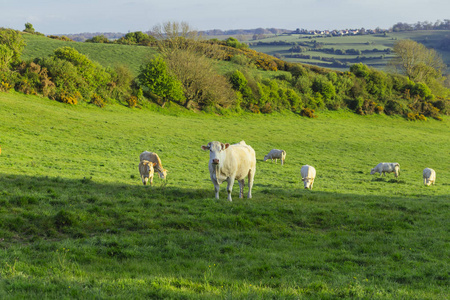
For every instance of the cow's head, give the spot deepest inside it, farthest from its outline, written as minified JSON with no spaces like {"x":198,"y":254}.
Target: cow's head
{"x":162,"y":173}
{"x":307,"y":182}
{"x":266,"y":157}
{"x":146,"y":170}
{"x":372,"y":171}
{"x":216,"y":152}
{"x":397,"y":170}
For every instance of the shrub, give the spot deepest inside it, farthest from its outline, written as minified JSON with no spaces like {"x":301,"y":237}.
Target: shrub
{"x":267,"y":108}
{"x":416,"y":117}
{"x":379,"y":109}
{"x":154,"y":77}
{"x":98,"y":39}
{"x":68,"y":98}
{"x":238,"y":80}
{"x":132,"y":101}
{"x":393,"y":107}
{"x":14,"y":41}
{"x":307,"y":112}
{"x":443,"y":105}
{"x":6,"y":55}
{"x":5,"y":87}
{"x":93,"y":74}
{"x":97,"y":100}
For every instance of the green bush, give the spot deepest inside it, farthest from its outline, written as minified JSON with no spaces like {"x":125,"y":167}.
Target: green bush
{"x":395,"y":107}
{"x":94,"y":74}
{"x":13,"y":40}
{"x":155,"y":78}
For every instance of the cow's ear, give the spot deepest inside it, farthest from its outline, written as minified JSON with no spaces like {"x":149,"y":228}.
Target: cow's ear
{"x":205,"y":147}
{"x":226,"y":146}
{"x":154,"y":164}
{"x":303,"y":179}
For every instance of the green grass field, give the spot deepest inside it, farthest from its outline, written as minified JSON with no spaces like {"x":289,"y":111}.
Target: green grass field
{"x":76,"y":221}
{"x":430,"y":38}
{"x":108,"y":55}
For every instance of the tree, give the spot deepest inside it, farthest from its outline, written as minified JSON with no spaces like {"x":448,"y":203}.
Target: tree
{"x":155,"y":78}
{"x":173,"y":36}
{"x":187,"y":57}
{"x":29,"y":28}
{"x":417,"y":62}
{"x":14,"y":41}
{"x":6,"y":55}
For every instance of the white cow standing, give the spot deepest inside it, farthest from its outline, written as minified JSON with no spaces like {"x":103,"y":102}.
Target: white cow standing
{"x":276,"y":154}
{"x":229,"y":163}
{"x":384,"y":168}
{"x":429,"y":176}
{"x":308,"y":175}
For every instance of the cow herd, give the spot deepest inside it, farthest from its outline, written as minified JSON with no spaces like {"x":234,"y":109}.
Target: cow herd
{"x":230,"y":162}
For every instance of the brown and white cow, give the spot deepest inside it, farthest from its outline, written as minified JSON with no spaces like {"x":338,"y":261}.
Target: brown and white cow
{"x":154,"y":158}
{"x":146,"y":170}
{"x":229,"y":163}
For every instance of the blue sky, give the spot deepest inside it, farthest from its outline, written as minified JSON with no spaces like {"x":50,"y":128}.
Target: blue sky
{"x":67,"y":17}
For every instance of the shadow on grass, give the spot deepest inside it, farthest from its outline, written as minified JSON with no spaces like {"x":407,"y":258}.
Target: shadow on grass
{"x":392,"y":180}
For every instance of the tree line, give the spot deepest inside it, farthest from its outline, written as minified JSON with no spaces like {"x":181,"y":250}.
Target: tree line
{"x":426,"y":25}
{"x":184,"y":74}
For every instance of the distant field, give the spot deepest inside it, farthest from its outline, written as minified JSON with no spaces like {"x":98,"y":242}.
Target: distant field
{"x":108,"y":55}
{"x":78,"y":223}
{"x":380,"y":42}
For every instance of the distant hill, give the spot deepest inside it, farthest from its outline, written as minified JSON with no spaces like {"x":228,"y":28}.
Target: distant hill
{"x":338,"y":52}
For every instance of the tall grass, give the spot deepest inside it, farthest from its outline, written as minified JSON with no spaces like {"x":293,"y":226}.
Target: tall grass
{"x":78,"y":223}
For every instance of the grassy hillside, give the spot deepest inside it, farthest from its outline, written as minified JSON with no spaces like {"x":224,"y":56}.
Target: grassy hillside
{"x":78,"y":223}
{"x":429,"y":38}
{"x":107,"y":55}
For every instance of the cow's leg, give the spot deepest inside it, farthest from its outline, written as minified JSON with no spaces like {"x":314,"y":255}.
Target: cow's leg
{"x":230,"y":182}
{"x":241,"y":188}
{"x":216,"y":188}
{"x":312,"y":182}
{"x":151,"y":181}
{"x":251,"y":176}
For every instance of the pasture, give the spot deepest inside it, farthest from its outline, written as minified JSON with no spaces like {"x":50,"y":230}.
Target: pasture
{"x":108,"y":55}
{"x":76,"y":221}
{"x":377,"y":59}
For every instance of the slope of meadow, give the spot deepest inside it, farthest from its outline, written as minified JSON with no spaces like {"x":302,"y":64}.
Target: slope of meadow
{"x":108,"y":55}
{"x":76,"y":222}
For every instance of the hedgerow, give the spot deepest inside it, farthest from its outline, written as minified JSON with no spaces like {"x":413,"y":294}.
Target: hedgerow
{"x":71,"y":77}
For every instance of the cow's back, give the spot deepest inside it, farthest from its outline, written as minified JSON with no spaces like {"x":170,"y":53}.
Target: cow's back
{"x":241,"y":158}
{"x":308,"y":171}
{"x":150,"y":156}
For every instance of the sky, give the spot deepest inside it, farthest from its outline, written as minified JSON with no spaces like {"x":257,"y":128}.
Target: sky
{"x":78,"y":16}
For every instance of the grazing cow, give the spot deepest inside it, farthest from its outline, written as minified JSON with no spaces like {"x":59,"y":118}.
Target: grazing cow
{"x":384,"y":168}
{"x":308,"y":175}
{"x":146,"y":170}
{"x":231,"y":162}
{"x":154,"y":158}
{"x":429,"y":176}
{"x":276,"y":154}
